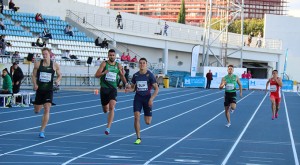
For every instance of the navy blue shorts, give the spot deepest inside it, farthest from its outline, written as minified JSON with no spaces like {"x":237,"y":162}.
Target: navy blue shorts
{"x":140,"y":102}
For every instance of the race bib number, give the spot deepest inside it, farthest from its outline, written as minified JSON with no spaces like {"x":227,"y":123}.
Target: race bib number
{"x":142,"y":85}
{"x":45,"y":77}
{"x":273,"y":88}
{"x":111,"y":76}
{"x":229,"y":86}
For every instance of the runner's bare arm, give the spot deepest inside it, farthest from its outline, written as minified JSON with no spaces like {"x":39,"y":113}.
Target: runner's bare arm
{"x":99,"y":73}
{"x":58,"y":73}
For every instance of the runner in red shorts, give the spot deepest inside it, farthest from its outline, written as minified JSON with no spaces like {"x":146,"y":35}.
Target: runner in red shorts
{"x":275,"y":94}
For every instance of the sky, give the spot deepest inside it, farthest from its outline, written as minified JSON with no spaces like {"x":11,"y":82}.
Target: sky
{"x":293,"y":8}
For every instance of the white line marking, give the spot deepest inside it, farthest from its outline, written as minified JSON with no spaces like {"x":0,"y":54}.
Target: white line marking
{"x":291,"y":133}
{"x":242,"y":133}
{"x":96,"y":114}
{"x":77,"y":157}
{"x":46,"y":153}
{"x":171,"y":146}
{"x":75,"y":133}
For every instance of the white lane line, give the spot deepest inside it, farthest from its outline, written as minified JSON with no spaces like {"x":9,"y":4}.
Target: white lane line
{"x":291,"y":133}
{"x":242,"y":133}
{"x":98,"y":99}
{"x":162,"y":122}
{"x":75,"y":133}
{"x":171,"y":146}
{"x":72,"y":110}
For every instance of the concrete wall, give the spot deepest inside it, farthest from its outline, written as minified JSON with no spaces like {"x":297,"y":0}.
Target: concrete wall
{"x":287,"y":29}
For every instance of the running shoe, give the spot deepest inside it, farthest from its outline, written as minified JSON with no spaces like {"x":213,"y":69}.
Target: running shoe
{"x":228,"y":125}
{"x":42,"y":135}
{"x":107,"y":131}
{"x":231,"y":111}
{"x":276,"y":115}
{"x":273,"y":117}
{"x":138,"y":141}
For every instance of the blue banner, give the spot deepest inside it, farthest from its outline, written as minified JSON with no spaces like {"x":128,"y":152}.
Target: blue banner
{"x":244,"y":82}
{"x":287,"y":85}
{"x":194,"y":82}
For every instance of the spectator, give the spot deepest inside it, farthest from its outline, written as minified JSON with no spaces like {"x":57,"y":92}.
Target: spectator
{"x":126,"y":73}
{"x":98,"y":42}
{"x":66,"y":55}
{"x":104,"y":44}
{"x":39,"y":18}
{"x":258,"y":43}
{"x":128,"y":57}
{"x":68,"y":30}
{"x":40,"y":42}
{"x":244,"y":75}
{"x":16,"y":57}
{"x":209,"y":77}
{"x":98,"y":62}
{"x":3,"y":45}
{"x":46,"y":34}
{"x":166,"y":29}
{"x":52,"y":56}
{"x":7,"y":83}
{"x":119,"y":19}
{"x":134,"y":59}
{"x":250,"y":36}
{"x":249,"y":75}
{"x":12,"y":6}
{"x":2,"y":26}
{"x":17,"y":76}
{"x":123,"y":57}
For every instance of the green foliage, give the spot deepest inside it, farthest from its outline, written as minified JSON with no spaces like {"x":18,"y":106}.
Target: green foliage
{"x":181,"y":14}
{"x":250,"y":25}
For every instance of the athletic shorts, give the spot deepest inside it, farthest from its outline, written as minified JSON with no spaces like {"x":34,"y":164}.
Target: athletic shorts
{"x":107,"y":94}
{"x":277,"y":99}
{"x":42,"y":97}
{"x":230,"y":97}
{"x":140,"y":102}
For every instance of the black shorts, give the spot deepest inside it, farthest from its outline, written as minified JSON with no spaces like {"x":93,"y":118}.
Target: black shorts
{"x":230,"y":97}
{"x":140,"y":102}
{"x":107,"y":94}
{"x":42,"y":97}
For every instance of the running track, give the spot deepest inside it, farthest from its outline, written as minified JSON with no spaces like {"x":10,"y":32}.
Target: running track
{"x":188,"y":127}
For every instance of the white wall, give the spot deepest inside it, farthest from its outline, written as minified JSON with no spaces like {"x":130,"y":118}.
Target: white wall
{"x":287,"y":29}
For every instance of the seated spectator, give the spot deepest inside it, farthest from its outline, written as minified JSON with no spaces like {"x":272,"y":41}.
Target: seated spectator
{"x":68,"y":30}
{"x":3,"y":45}
{"x":39,"y":18}
{"x":16,"y":57}
{"x":52,"y":56}
{"x":134,"y":59}
{"x":123,"y":57}
{"x":2,"y":26}
{"x":66,"y":55}
{"x":12,"y":6}
{"x":98,"y":62}
{"x":104,"y":44}
{"x":98,"y":42}
{"x":128,"y":57}
{"x":40,"y":42}
{"x":46,"y":34}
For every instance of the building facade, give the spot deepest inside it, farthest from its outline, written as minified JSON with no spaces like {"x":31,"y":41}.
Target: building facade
{"x":195,"y":9}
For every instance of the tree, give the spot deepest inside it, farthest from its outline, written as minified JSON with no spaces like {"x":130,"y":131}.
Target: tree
{"x":181,"y":14}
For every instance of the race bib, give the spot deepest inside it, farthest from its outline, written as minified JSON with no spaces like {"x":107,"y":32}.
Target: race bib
{"x":229,"y":86}
{"x":111,"y":76}
{"x":273,"y":88}
{"x":45,"y":77}
{"x":142,"y":85}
